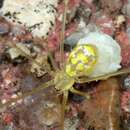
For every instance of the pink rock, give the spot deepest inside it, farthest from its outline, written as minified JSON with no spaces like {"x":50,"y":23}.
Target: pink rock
{"x":122,"y":38}
{"x":90,"y":4}
{"x":125,"y":101}
{"x":124,"y":42}
{"x":71,"y":5}
{"x":111,"y":6}
{"x":71,"y":28}
{"x":55,"y":36}
{"x":81,"y":128}
{"x":8,"y":118}
{"x":105,"y":23}
{"x":126,"y":56}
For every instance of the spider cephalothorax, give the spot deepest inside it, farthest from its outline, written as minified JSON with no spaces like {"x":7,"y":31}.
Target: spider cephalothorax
{"x":80,"y":62}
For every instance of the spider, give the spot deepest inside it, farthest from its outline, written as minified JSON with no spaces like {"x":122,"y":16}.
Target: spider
{"x":79,"y":65}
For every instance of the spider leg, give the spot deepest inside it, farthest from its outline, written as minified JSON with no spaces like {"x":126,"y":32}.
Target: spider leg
{"x":104,"y":77}
{"x":73,"y":90}
{"x":63,"y":32}
{"x":65,"y":98}
{"x":34,"y":91}
{"x":54,"y":65}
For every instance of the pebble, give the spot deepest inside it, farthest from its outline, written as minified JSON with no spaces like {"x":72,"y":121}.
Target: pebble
{"x":126,"y":9}
{"x":82,"y":31}
{"x":111,"y":6}
{"x":4,"y":28}
{"x":127,"y":83}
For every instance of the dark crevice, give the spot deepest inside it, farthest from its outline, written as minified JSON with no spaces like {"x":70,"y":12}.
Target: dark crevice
{"x":1,"y":3}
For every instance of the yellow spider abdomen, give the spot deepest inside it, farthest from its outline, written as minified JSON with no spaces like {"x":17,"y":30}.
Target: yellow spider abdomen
{"x":81,"y":60}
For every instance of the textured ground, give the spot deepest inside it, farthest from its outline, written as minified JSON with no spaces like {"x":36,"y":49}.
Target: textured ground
{"x":109,"y":107}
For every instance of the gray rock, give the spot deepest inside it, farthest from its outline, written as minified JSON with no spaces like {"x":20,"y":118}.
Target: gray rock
{"x":82,"y":31}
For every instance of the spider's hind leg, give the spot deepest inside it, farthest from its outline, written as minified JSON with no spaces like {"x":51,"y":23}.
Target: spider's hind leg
{"x":65,"y":98}
{"x":73,"y":90}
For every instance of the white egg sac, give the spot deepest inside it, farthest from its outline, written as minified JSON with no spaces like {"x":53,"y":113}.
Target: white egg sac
{"x":37,"y":16}
{"x":109,"y":53}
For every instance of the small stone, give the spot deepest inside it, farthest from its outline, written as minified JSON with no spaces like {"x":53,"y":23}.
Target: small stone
{"x":84,"y":12}
{"x":111,"y":6}
{"x":126,"y":9}
{"x":3,"y":101}
{"x":49,"y":115}
{"x":4,"y":28}
{"x":127,"y":83}
{"x":128,"y":32}
{"x":120,"y":19}
{"x":41,"y":66}
{"x":125,"y":101}
{"x":71,"y":124}
{"x":8,"y":117}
